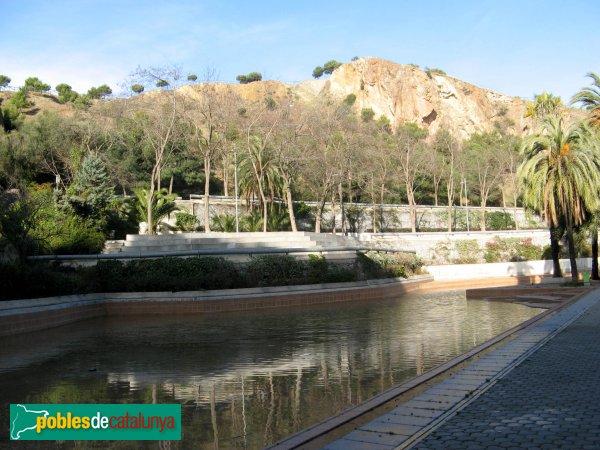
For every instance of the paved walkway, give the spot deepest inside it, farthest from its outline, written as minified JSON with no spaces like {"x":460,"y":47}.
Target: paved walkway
{"x":540,"y":390}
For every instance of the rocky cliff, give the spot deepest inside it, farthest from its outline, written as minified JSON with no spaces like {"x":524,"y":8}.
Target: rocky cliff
{"x":407,"y":93}
{"x":403,"y":93}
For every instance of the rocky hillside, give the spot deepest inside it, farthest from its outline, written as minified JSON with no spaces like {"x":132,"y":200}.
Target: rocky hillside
{"x":408,"y":94}
{"x":403,"y":93}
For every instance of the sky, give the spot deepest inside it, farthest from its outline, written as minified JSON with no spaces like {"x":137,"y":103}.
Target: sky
{"x":517,"y":48}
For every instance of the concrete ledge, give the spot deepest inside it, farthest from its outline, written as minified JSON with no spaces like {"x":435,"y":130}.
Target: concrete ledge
{"x":21,"y":316}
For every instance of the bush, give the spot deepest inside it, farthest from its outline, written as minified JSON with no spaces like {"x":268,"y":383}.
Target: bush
{"x":165,"y":274}
{"x":77,"y":236}
{"x":499,"y":220}
{"x":30,"y":280}
{"x":387,"y":265}
{"x":186,"y":222}
{"x":275,"y":270}
{"x":468,"y":252}
{"x":512,"y":249}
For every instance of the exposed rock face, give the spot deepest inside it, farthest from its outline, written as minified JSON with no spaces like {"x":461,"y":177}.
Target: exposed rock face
{"x":403,"y":93}
{"x":409,"y":94}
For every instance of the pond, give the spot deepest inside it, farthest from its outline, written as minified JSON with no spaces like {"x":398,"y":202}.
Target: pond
{"x":246,"y":380}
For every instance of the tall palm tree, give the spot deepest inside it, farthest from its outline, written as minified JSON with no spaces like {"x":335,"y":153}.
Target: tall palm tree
{"x":589,"y":99}
{"x":559,"y":176}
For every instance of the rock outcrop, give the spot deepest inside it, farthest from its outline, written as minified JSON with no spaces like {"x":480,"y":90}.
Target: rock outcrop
{"x":405,"y":93}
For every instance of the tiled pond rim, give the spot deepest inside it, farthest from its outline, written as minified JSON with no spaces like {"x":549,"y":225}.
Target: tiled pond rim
{"x":22,"y":316}
{"x":413,"y":417}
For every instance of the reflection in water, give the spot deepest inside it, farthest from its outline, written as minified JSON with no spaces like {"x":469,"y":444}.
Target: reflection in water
{"x":246,"y":380}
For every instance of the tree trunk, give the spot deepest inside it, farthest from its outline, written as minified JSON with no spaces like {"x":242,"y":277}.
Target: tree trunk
{"x":171,"y":185}
{"x":570,"y":241}
{"x":333,"y":223}
{"x":482,"y":219}
{"x":319,"y":215}
{"x":290,"y":206}
{"x":341,"y":195}
{"x":226,"y":174}
{"x":555,"y":248}
{"x":595,"y":275}
{"x":206,"y":195}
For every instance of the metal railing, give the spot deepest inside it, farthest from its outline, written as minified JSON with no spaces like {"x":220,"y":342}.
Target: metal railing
{"x":216,"y":252}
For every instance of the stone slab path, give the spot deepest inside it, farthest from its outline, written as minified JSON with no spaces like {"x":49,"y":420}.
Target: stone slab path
{"x":540,"y":390}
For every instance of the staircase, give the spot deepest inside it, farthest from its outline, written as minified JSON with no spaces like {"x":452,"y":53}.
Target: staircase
{"x":139,"y":244}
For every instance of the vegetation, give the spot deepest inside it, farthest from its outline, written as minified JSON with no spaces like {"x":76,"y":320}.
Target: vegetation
{"x":34,"y":84}
{"x":193,"y":274}
{"x":4,"y":81}
{"x":326,"y":69}
{"x":61,"y":171}
{"x":250,"y":78}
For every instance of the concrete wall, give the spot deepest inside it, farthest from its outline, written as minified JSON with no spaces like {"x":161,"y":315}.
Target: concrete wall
{"x":428,"y":245}
{"x":506,"y":269}
{"x":359,"y":215}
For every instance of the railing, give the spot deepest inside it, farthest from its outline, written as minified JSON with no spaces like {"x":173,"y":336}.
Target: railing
{"x":216,"y":252}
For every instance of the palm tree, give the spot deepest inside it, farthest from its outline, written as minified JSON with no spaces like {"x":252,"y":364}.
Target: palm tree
{"x":589,"y":99}
{"x":543,"y":105}
{"x":559,"y":176}
{"x":162,"y":203}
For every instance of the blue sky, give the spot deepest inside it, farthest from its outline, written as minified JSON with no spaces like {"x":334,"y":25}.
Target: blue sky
{"x":513,"y":47}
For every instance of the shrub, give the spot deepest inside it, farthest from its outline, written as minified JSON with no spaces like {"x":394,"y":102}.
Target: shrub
{"x":274,"y":270}
{"x":166,"y":274}
{"x":186,"y":222}
{"x":467,"y":251}
{"x":30,"y":280}
{"x":77,"y":236}
{"x":499,"y":220}
{"x":512,"y":249}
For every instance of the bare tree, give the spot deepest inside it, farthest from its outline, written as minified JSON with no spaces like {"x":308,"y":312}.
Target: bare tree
{"x":410,"y":155}
{"x":449,"y":149}
{"x":158,"y":118}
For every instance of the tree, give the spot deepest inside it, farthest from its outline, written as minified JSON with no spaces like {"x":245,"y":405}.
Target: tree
{"x":484,"y":151}
{"x":159,"y":125}
{"x":560,"y":175}
{"x":410,"y":156}
{"x":66,"y":93}
{"x":589,"y":99}
{"x":92,"y":188}
{"x":450,"y":151}
{"x":4,"y":81}
{"x":318,"y":72}
{"x":206,"y":116}
{"x":162,"y":83}
{"x":250,"y":78}
{"x":36,"y":85}
{"x":161,"y":202}
{"x":137,"y":88}
{"x":192,"y":77}
{"x":367,"y":114}
{"x":330,"y":66}
{"x":544,"y":104}
{"x":101,"y":91}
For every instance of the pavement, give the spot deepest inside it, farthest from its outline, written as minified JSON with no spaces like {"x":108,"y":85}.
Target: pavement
{"x":541,"y":390}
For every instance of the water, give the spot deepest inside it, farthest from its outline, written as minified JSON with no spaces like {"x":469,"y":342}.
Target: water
{"x":246,"y":380}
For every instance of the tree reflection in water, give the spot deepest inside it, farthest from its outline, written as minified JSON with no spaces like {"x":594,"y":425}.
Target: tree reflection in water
{"x":247,"y":380}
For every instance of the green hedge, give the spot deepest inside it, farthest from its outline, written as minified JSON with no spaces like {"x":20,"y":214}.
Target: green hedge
{"x":37,"y":279}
